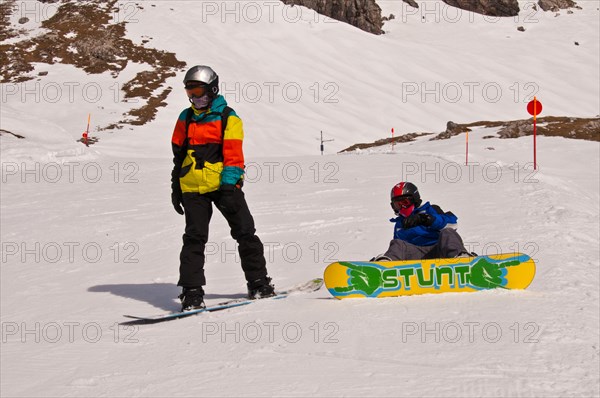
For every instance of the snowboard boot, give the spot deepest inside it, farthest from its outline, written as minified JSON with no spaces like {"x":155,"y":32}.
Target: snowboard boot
{"x":261,"y":288}
{"x":192,"y":298}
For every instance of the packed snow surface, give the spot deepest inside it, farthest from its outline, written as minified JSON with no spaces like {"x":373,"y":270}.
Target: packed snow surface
{"x":89,"y":234}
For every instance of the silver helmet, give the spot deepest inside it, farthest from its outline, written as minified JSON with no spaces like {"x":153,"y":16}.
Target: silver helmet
{"x":203,"y":74}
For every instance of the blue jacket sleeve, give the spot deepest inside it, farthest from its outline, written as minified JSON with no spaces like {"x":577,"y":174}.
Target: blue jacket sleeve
{"x":397,"y":226}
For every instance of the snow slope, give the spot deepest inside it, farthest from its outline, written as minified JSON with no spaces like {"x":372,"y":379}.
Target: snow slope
{"x":291,"y":73}
{"x":59,"y":310}
{"x":88,"y":234}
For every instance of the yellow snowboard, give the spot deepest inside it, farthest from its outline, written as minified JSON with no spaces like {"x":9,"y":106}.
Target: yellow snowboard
{"x":356,"y":279}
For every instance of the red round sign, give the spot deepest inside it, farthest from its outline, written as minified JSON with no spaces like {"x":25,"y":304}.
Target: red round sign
{"x":538,"y":107}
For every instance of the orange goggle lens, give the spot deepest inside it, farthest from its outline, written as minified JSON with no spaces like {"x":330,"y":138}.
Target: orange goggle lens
{"x":195,"y":90}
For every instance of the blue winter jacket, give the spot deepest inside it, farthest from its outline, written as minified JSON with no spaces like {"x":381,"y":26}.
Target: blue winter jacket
{"x":422,"y":235}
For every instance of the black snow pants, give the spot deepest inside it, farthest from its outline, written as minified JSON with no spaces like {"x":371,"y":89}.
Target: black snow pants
{"x":198,"y":212}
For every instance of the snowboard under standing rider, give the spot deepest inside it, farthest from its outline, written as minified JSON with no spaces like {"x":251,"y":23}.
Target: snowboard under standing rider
{"x":209,"y":169}
{"x":421,"y":230}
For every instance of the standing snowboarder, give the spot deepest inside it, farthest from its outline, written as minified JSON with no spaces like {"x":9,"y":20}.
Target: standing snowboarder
{"x":209,"y":168}
{"x":421,"y":230}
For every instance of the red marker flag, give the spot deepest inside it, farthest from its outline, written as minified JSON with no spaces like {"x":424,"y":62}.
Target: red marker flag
{"x":534,"y":108}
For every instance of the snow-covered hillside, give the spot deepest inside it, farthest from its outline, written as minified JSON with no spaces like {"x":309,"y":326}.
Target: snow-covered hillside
{"x":291,"y":73}
{"x":89,"y":234}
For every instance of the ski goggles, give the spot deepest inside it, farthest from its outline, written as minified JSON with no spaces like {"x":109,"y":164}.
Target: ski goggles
{"x":401,"y":202}
{"x":195,"y":89}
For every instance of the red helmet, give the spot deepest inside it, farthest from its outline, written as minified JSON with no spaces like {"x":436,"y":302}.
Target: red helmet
{"x":405,"y":192}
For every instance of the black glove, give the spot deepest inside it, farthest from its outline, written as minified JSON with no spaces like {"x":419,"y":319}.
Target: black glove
{"x":176,"y":195}
{"x":411,"y":221}
{"x":414,"y":220}
{"x":177,"y":200}
{"x":426,"y":219}
{"x":230,"y":200}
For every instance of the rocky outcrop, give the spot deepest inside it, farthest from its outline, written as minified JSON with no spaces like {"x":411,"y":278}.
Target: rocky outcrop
{"x":550,"y":126}
{"x":452,"y":129}
{"x":506,"y":8}
{"x":11,"y":133}
{"x":494,"y":8}
{"x":555,"y":5}
{"x":412,"y":3}
{"x":385,"y":141}
{"x":364,"y":14}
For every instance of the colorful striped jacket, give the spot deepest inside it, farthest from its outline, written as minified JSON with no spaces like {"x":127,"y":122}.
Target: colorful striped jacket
{"x":206,"y":158}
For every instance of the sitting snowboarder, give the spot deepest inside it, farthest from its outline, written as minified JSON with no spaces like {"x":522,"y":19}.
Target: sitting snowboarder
{"x":421,"y":231}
